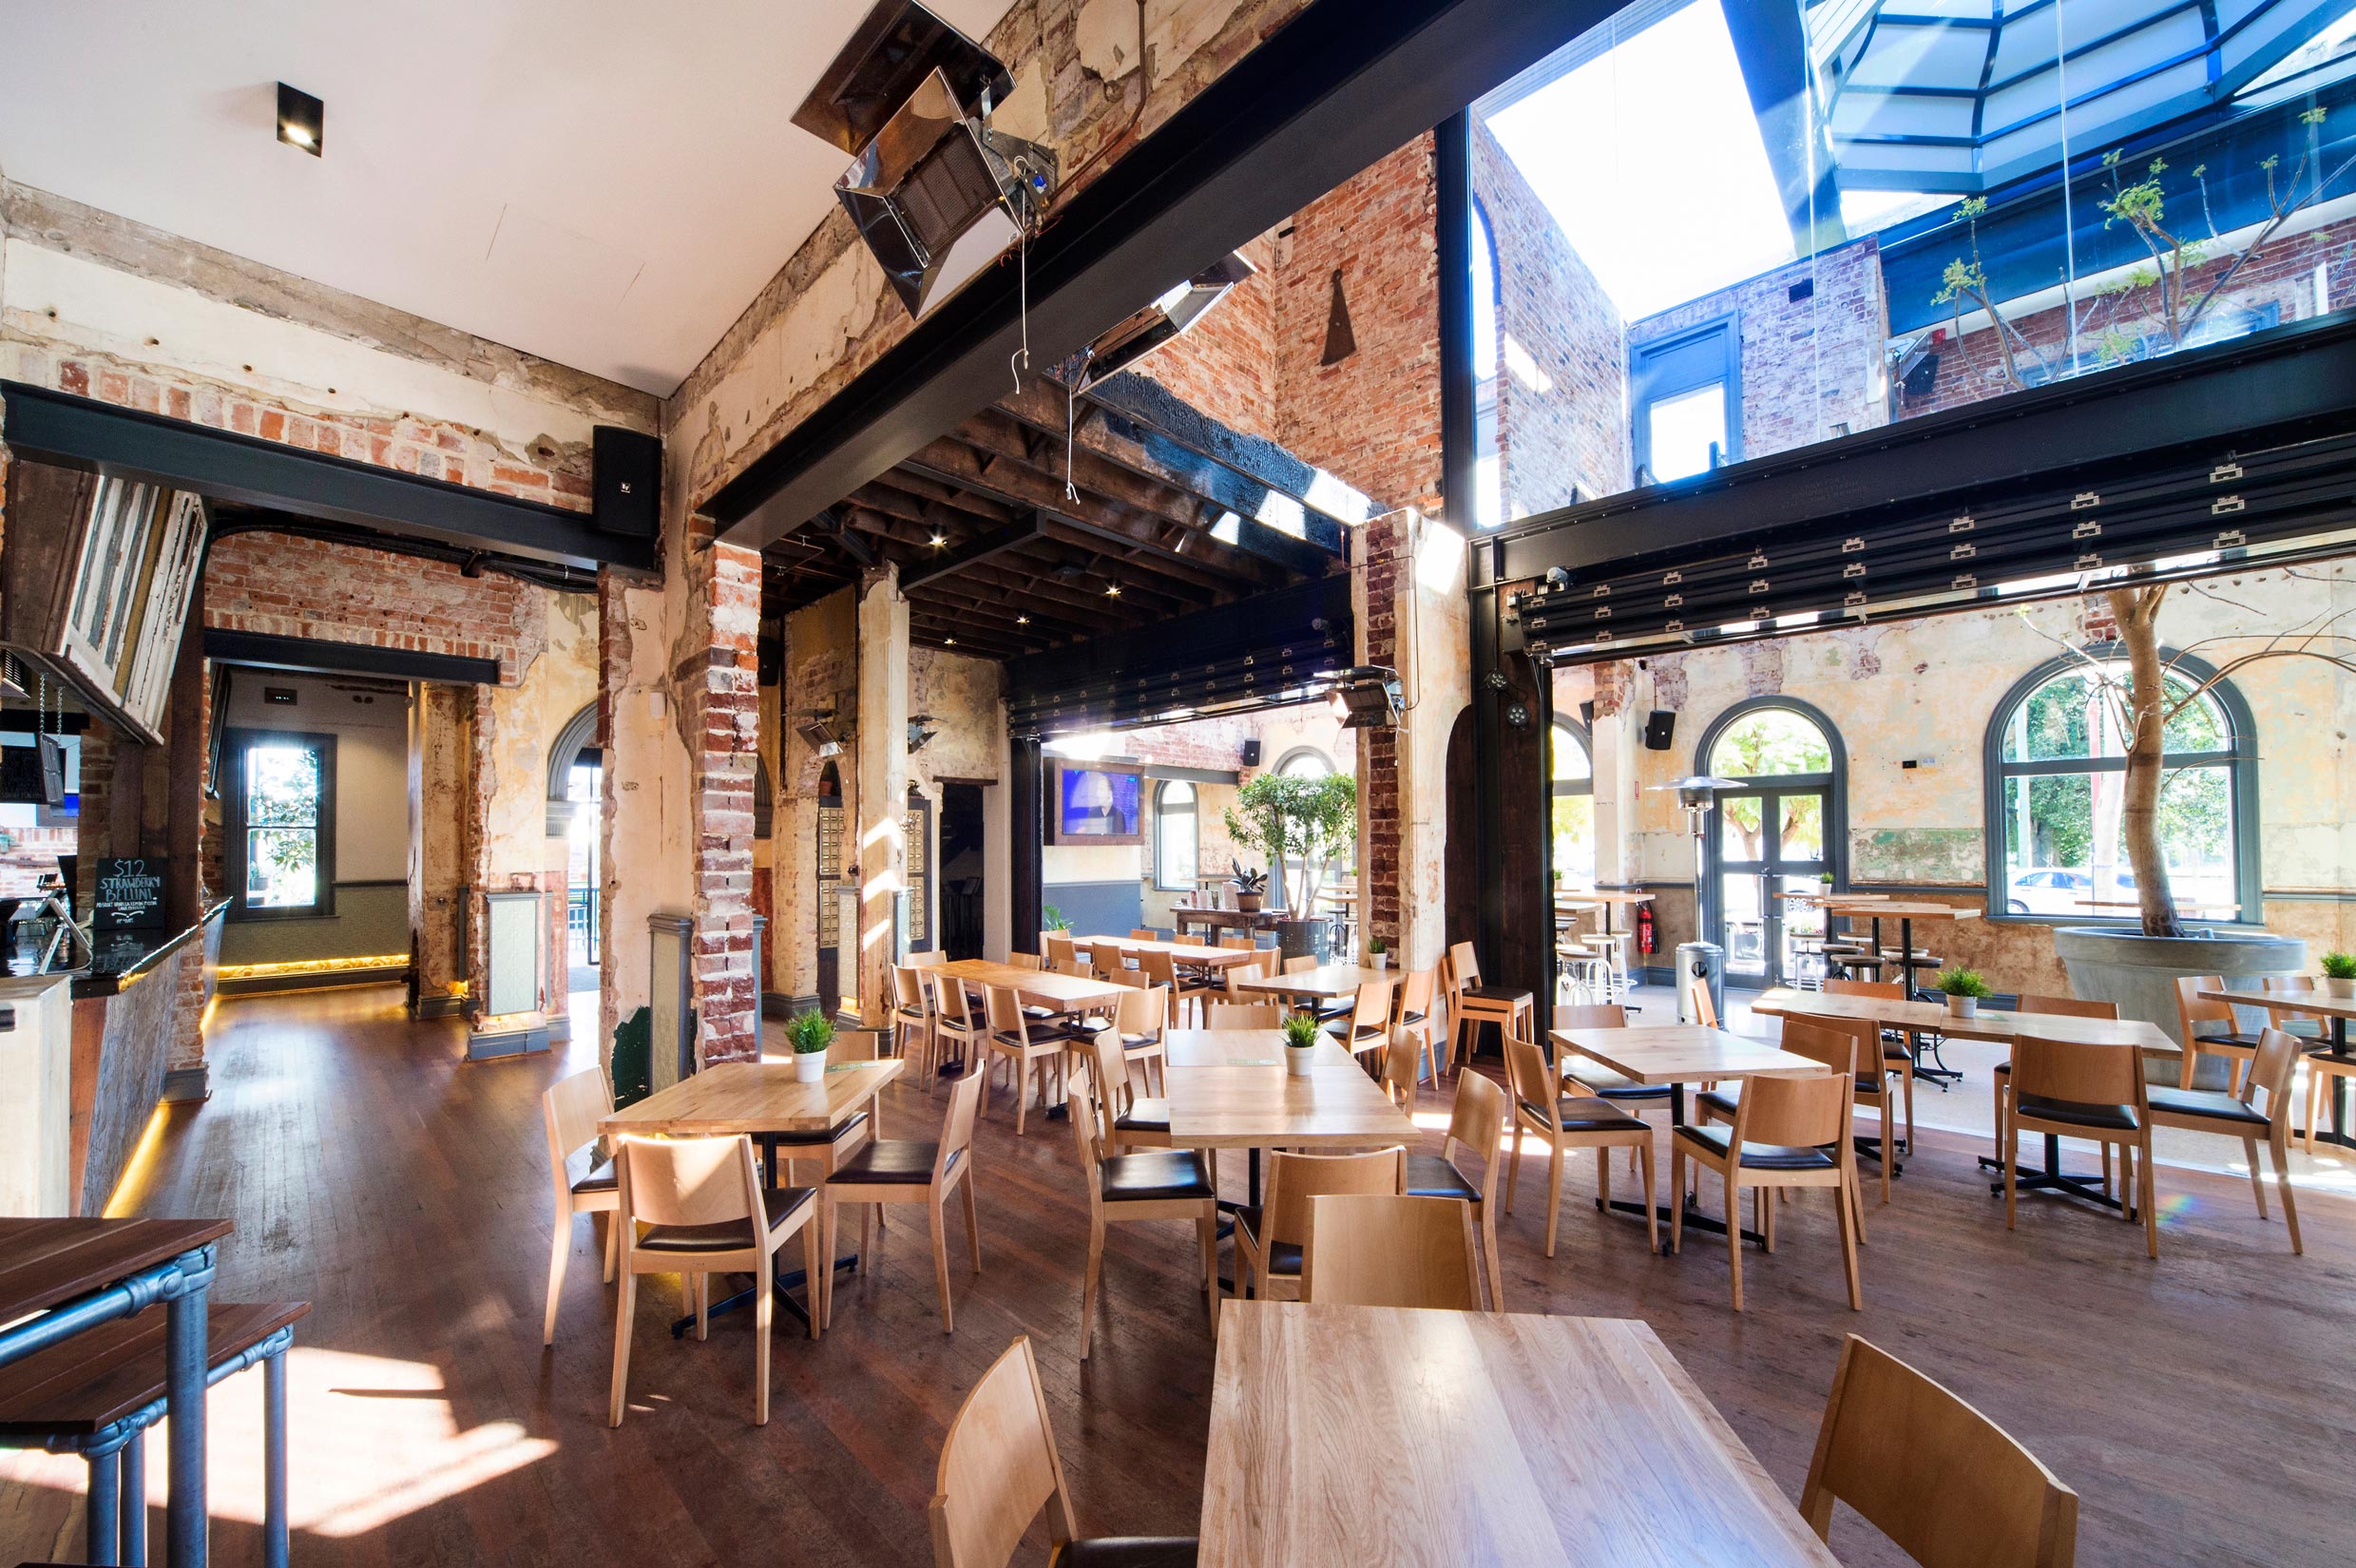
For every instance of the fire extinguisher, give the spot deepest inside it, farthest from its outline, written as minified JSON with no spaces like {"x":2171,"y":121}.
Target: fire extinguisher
{"x":1645,"y":927}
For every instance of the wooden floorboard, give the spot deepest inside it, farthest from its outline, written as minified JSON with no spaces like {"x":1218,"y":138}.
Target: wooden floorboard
{"x":2204,"y":1406}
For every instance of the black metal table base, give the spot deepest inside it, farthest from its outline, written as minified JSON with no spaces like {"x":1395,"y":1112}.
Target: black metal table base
{"x":2337,"y":1051}
{"x":2083,"y":1184}
{"x":1694,"y":1220}
{"x":787,"y":1283}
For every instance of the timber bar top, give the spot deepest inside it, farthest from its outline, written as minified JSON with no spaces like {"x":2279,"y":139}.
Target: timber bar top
{"x":44,"y":1262}
{"x":1933,"y":1017}
{"x":1382,"y":1435}
{"x":1681,"y":1053}
{"x":755,"y":1096}
{"x":1891,"y":909}
{"x":1184,"y":952}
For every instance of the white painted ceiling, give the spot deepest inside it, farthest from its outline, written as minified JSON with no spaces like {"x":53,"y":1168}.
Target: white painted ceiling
{"x":606,"y":184}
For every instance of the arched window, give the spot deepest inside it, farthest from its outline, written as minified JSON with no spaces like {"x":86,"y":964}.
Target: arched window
{"x":1488,"y":479}
{"x":1304,"y":762}
{"x":1176,"y":817}
{"x":2056,"y":771}
{"x":1574,"y":804}
{"x":1778,"y":830}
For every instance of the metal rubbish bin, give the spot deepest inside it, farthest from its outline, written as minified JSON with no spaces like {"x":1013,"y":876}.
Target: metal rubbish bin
{"x":1704,"y":962}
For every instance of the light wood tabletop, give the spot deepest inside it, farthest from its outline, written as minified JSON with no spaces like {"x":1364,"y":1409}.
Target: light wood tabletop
{"x":1875,"y":908}
{"x":754,"y":1097}
{"x":1041,"y":984}
{"x":1987,"y":1023}
{"x":2319,"y":1003}
{"x":1184,"y":952}
{"x":1228,"y":1089}
{"x":1592,"y":896}
{"x":1683,"y":1053}
{"x":1325,"y":980}
{"x":1498,"y":1438}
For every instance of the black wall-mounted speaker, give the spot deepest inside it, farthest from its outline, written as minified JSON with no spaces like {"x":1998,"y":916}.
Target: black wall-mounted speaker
{"x":1251,"y":754}
{"x":626,"y":482}
{"x":1586,"y":716}
{"x":1660,"y":726}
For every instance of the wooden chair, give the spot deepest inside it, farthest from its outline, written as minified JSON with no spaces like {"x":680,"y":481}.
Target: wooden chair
{"x":1416,"y":993}
{"x":2237,"y":1116}
{"x":1897,"y":1055}
{"x":1139,"y":1019}
{"x":1154,"y":1184}
{"x":1592,"y":1077}
{"x":2289,"y":1018}
{"x":2194,"y":1010}
{"x":706,"y":1213}
{"x":1301,"y":965}
{"x":1705,"y":1008}
{"x":2064,"y":1006}
{"x":1939,"y":1479}
{"x":1028,"y":1057}
{"x":1568,"y":1121}
{"x":1787,"y":1132}
{"x":1819,"y":1040}
{"x":1026,"y":961}
{"x":1245,"y":1015}
{"x":1268,"y":1238}
{"x":1472,"y":1004}
{"x":1129,"y":1116}
{"x":570,"y":1110}
{"x":1239,"y":944}
{"x":828,"y":1150}
{"x":911,"y":1013}
{"x":1109,"y":961}
{"x":1476,"y":1122}
{"x":1368,"y":1027}
{"x":1372,"y":1250}
{"x":1163,"y":970}
{"x":953,"y":1020}
{"x":1143,"y":933}
{"x":1059,"y":951}
{"x":1875,"y":1082}
{"x":926,"y":958}
{"x":2092,"y":1091}
{"x":999,"y":1468}
{"x":1402,"y":1062}
{"x":1234,"y":975}
{"x":1068,"y":964}
{"x":903,"y":1171}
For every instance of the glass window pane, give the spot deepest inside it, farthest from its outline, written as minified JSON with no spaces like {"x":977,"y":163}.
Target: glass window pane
{"x":1739,"y":825}
{"x":1686,"y":433}
{"x":1176,"y":839}
{"x":1803,"y":828}
{"x":1574,"y":837}
{"x":1570,"y":758}
{"x":281,"y":784}
{"x":1770,"y":743}
{"x":281,"y":866}
{"x":2063,"y":853}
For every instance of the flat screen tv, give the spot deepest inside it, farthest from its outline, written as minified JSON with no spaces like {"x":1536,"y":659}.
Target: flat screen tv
{"x":1094,"y":806}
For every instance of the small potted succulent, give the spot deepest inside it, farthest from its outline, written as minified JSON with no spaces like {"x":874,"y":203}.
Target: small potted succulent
{"x":1251,"y":886}
{"x":1301,"y":1039}
{"x":1377,"y":952}
{"x":2339,"y":974}
{"x":810,"y":1033}
{"x":1964,"y":988}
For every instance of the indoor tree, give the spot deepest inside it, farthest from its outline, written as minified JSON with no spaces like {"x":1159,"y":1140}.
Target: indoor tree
{"x":1289,"y":817}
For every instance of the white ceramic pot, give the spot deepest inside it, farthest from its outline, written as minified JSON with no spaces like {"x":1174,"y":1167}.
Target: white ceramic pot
{"x":1300,"y":1060}
{"x":809,"y":1066}
{"x":1963,"y":1006}
{"x":1379,"y":961}
{"x":2339,"y":987}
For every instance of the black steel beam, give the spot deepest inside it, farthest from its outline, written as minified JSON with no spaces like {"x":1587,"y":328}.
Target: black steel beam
{"x":1013,"y":536}
{"x":1027,"y":825}
{"x":1770,"y":46}
{"x":263,"y":650}
{"x":83,"y":433}
{"x":1342,"y":85}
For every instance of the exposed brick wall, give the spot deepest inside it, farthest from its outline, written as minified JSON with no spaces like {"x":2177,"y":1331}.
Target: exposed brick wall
{"x":342,"y":593}
{"x":1562,"y":434}
{"x":716,"y":679}
{"x":1225,"y":364}
{"x":1378,"y":755}
{"x":1811,"y":368}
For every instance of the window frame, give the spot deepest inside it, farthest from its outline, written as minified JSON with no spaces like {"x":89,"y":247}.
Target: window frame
{"x":1653,"y":378}
{"x":1162,"y":809}
{"x":241,"y":742}
{"x":2239,"y":761}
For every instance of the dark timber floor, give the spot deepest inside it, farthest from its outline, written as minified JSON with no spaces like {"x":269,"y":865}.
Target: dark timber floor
{"x":2204,"y":1406}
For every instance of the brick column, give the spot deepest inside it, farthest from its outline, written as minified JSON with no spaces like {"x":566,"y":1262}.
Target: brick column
{"x":882,"y":784}
{"x":718,"y":672}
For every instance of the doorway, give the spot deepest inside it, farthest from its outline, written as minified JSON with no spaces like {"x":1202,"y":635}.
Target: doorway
{"x":1775,"y":833}
{"x":961,"y":869}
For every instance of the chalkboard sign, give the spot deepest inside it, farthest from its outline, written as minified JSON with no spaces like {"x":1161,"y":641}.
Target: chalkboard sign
{"x":130,"y":894}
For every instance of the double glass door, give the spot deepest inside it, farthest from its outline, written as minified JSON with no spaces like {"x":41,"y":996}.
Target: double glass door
{"x":1769,"y":840}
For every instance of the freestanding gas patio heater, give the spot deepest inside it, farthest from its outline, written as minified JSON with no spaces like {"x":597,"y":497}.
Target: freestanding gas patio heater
{"x":1697,"y":960}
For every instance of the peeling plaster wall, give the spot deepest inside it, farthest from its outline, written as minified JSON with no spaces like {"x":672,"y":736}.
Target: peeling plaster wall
{"x":821,"y":672}
{"x":442,"y":855}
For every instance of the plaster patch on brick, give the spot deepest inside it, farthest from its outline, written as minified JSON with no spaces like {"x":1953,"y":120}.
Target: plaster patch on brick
{"x":1668,"y":681}
{"x":1024,"y":112}
{"x":1107,"y":37}
{"x":1176,"y":29}
{"x":1762,"y":664}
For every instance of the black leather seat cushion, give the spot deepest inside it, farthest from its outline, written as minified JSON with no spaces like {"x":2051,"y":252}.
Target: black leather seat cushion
{"x":1758,"y":1157}
{"x":1411,"y":1018}
{"x":1161,"y":1173}
{"x":1429,"y":1176}
{"x":2244,"y":1041}
{"x":1495,"y":993}
{"x":1037,"y":1038}
{"x":2073,"y":1113}
{"x":1611,"y":1085}
{"x":804,"y":1140}
{"x":596,"y":1175}
{"x":1340,"y":1029}
{"x":2210,"y":1104}
{"x":1145,"y":1116}
{"x":1721,"y":1100}
{"x":914,"y":1015}
{"x":1580,"y":1114}
{"x":893,"y":1160}
{"x":1139,"y":1042}
{"x":1283,"y":1257}
{"x":729,"y":1235}
{"x":1129,"y":1552}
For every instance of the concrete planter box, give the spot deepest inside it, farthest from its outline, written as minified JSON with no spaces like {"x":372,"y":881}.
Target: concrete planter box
{"x":2139,"y":972}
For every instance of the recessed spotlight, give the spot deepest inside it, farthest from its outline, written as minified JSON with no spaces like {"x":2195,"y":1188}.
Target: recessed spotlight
{"x":302,"y":120}
{"x":1111,"y":590}
{"x":939,"y":539}
{"x":1022,"y":620}
{"x":949,"y":642}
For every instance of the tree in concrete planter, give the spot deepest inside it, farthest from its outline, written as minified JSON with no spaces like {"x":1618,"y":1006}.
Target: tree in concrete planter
{"x":1285,"y":816}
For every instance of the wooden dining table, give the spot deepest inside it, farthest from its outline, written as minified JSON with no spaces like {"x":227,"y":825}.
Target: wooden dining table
{"x":1229,"y":1089}
{"x":760,"y":1100}
{"x":1066,"y":993}
{"x":1678,"y":1054}
{"x":1906,"y":913}
{"x":2321,"y":1004}
{"x":1193,"y":954}
{"x":1326,"y":983}
{"x":1351,"y":1435}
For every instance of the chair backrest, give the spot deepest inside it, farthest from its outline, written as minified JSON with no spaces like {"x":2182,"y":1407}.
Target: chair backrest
{"x":1403,"y":1067}
{"x":1159,"y":968}
{"x":998,"y":1468}
{"x":1866,"y":987}
{"x":1004,"y":1011}
{"x":1059,"y":947}
{"x":1530,"y":1077}
{"x":1589,"y":1015}
{"x":1865,"y":1038}
{"x":957,"y":1125}
{"x":1097,"y":1101}
{"x":908,"y":986}
{"x":571,"y":1108}
{"x":1141,"y":1010}
{"x":687,"y":1180}
{"x":1477,"y":1121}
{"x":1462,"y":967}
{"x":1296,"y":1179}
{"x":2193,"y":1007}
{"x":1245,"y":1015}
{"x":1373,"y":1008}
{"x":1415,"y":993}
{"x":1143,"y":933}
{"x":1943,"y":1482}
{"x":1800,"y":1113}
{"x":1068,"y":964}
{"x":951,"y":1008}
{"x":1301,"y":965}
{"x":2277,"y":1057}
{"x":2085,"y":1075}
{"x":856,"y":1045}
{"x":1705,"y":1008}
{"x":926,"y":958}
{"x":2067,"y":1007}
{"x":1239,"y":944}
{"x":1026,"y":961}
{"x":1377,"y":1250}
{"x":1821,"y":1039}
{"x":2288,"y":983}
{"x":1238,"y":973}
{"x":1109,"y":960}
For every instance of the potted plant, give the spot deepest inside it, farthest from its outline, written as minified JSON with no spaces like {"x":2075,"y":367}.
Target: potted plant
{"x":810,"y":1033}
{"x":1378,"y":952}
{"x":1054,"y":918}
{"x":1309,"y":822}
{"x":2340,"y":974}
{"x":1964,"y":988}
{"x":1251,"y":886}
{"x":1301,"y":1040}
